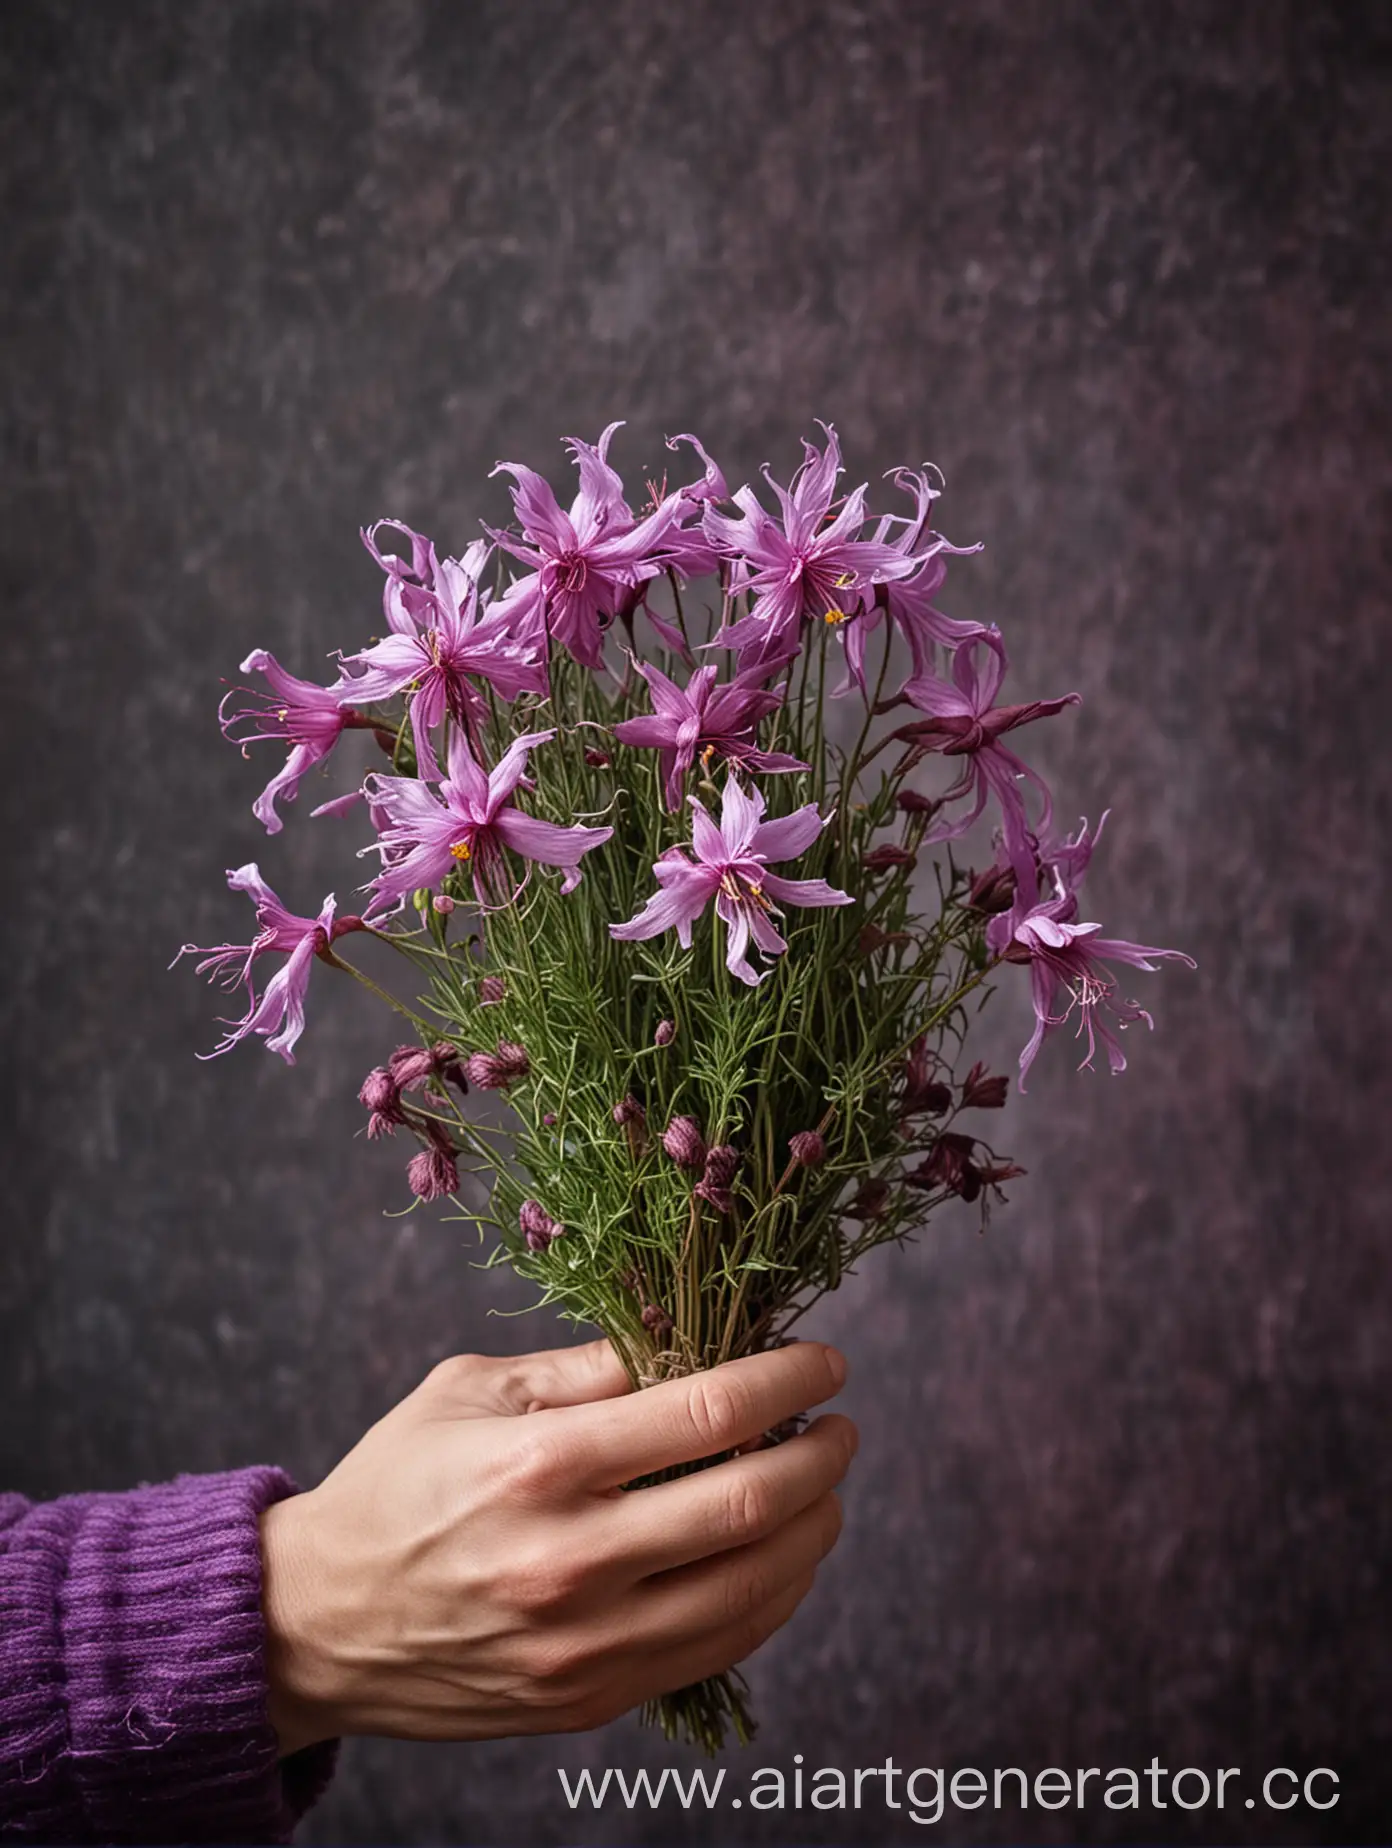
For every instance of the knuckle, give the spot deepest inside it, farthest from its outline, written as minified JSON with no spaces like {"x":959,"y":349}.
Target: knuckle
{"x":539,"y":1463}
{"x":535,"y":1583}
{"x":554,"y":1661}
{"x":715,"y":1407}
{"x":749,"y":1505}
{"x":456,"y":1373}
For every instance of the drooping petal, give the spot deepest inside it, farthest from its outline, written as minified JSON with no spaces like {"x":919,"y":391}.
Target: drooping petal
{"x":788,"y":835}
{"x":809,"y":893}
{"x":546,"y":841}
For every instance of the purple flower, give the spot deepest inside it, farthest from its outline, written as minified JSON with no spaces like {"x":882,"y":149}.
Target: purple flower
{"x":583,"y":562}
{"x":538,"y":1228}
{"x":706,"y":718}
{"x":717,"y":1177}
{"x":279,"y":1015}
{"x":495,"y":1071}
{"x":683,"y":1141}
{"x":806,"y":564}
{"x":422,"y":837}
{"x":965,"y":722}
{"x":309,"y":718}
{"x":731,"y":867}
{"x":909,"y":600}
{"x":434,"y":1172}
{"x":443,"y":642}
{"x":1067,"y":964}
{"x":807,"y":1148}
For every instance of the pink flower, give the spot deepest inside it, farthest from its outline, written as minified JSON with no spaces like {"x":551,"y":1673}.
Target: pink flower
{"x":422,"y":837}
{"x":965,"y":722}
{"x":584,"y":561}
{"x":808,"y":564}
{"x":1068,"y":969}
{"x":309,"y":718}
{"x":444,"y":641}
{"x":280,"y":1013}
{"x":731,"y":867}
{"x":703,"y":717}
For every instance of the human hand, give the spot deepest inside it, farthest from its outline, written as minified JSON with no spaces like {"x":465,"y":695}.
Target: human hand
{"x":473,"y":1569}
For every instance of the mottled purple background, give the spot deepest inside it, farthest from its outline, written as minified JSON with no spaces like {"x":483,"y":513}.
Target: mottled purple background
{"x":1121,"y":269}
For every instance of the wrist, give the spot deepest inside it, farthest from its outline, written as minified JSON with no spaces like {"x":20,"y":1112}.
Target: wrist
{"x":300,"y":1700}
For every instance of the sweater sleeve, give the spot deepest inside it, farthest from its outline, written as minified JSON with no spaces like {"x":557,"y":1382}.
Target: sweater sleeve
{"x":132,"y":1669}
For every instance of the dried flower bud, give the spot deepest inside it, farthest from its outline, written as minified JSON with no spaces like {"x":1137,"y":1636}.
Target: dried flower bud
{"x":949,"y":1164}
{"x":410,"y":1065}
{"x":655,"y":1320}
{"x":911,"y":803}
{"x":378,"y":1092}
{"x":993,"y":890}
{"x":871,"y":1201}
{"x":432,"y":1173}
{"x":666,"y":1033}
{"x":684,"y":1142}
{"x":807,"y":1148}
{"x":721,"y":1165}
{"x":597,"y":759}
{"x":923,"y":1093}
{"x":538,"y":1227}
{"x":993,"y":1173}
{"x":495,"y":1071}
{"x":442,"y":904}
{"x":380,"y":1124}
{"x":629,"y":1110}
{"x":872,"y":938}
{"x":882,"y":859}
{"x":549,"y":1120}
{"x":981,"y":1091}
{"x":492,"y":990}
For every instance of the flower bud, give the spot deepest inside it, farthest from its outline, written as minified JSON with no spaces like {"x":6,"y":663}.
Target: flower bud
{"x":807,"y":1148}
{"x":993,"y":890}
{"x":549,"y":1120}
{"x":442,"y":904}
{"x":684,"y":1142}
{"x":432,"y":1174}
{"x":629,"y":1110}
{"x":597,"y":759}
{"x":514,"y":1058}
{"x":495,"y":1071}
{"x":491,"y":990}
{"x":655,"y":1320}
{"x":882,"y":859}
{"x":911,"y":803}
{"x":981,"y":1091}
{"x":666,"y":1033}
{"x":538,"y":1227}
{"x":378,"y":1092}
{"x":409,"y":1065}
{"x":721,"y":1164}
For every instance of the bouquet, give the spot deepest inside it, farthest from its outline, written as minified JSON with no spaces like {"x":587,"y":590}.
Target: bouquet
{"x":664,"y":837}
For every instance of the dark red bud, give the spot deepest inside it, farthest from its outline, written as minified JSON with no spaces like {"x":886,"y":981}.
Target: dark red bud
{"x":807,"y":1148}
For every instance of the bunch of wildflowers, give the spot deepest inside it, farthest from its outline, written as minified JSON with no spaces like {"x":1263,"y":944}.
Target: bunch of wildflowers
{"x":719,"y":965}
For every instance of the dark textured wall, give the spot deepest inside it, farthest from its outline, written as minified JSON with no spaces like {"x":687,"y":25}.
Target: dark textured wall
{"x":1121,"y":269}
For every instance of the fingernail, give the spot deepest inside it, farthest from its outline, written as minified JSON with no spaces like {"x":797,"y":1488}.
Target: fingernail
{"x":836,"y":1361}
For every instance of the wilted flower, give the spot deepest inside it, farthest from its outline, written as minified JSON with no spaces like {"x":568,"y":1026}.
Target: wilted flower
{"x":684,"y":1142}
{"x":980,"y":1091}
{"x":807,"y":1148}
{"x":993,"y":890}
{"x":924,"y":1094}
{"x":629,"y":1110}
{"x":423,"y":838}
{"x":309,"y":718}
{"x":434,"y":1173}
{"x":870,"y":1201}
{"x":910,"y":802}
{"x":965,"y":722}
{"x":731,"y":867}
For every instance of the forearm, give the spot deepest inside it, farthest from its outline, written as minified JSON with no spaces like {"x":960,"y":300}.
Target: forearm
{"x":133,"y":1701}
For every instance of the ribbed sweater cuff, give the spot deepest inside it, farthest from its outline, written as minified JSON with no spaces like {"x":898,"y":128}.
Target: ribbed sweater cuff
{"x":156,"y":1657}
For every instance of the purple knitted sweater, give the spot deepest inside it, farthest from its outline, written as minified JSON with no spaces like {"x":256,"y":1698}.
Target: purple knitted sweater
{"x":132,"y":1674}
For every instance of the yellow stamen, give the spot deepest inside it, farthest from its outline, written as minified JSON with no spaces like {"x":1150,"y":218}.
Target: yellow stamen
{"x":283,"y":714}
{"x":706,"y":756}
{"x":834,"y":615}
{"x":462,"y":850}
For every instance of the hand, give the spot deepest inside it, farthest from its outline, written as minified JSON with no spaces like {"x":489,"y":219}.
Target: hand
{"x":473,"y":1568}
